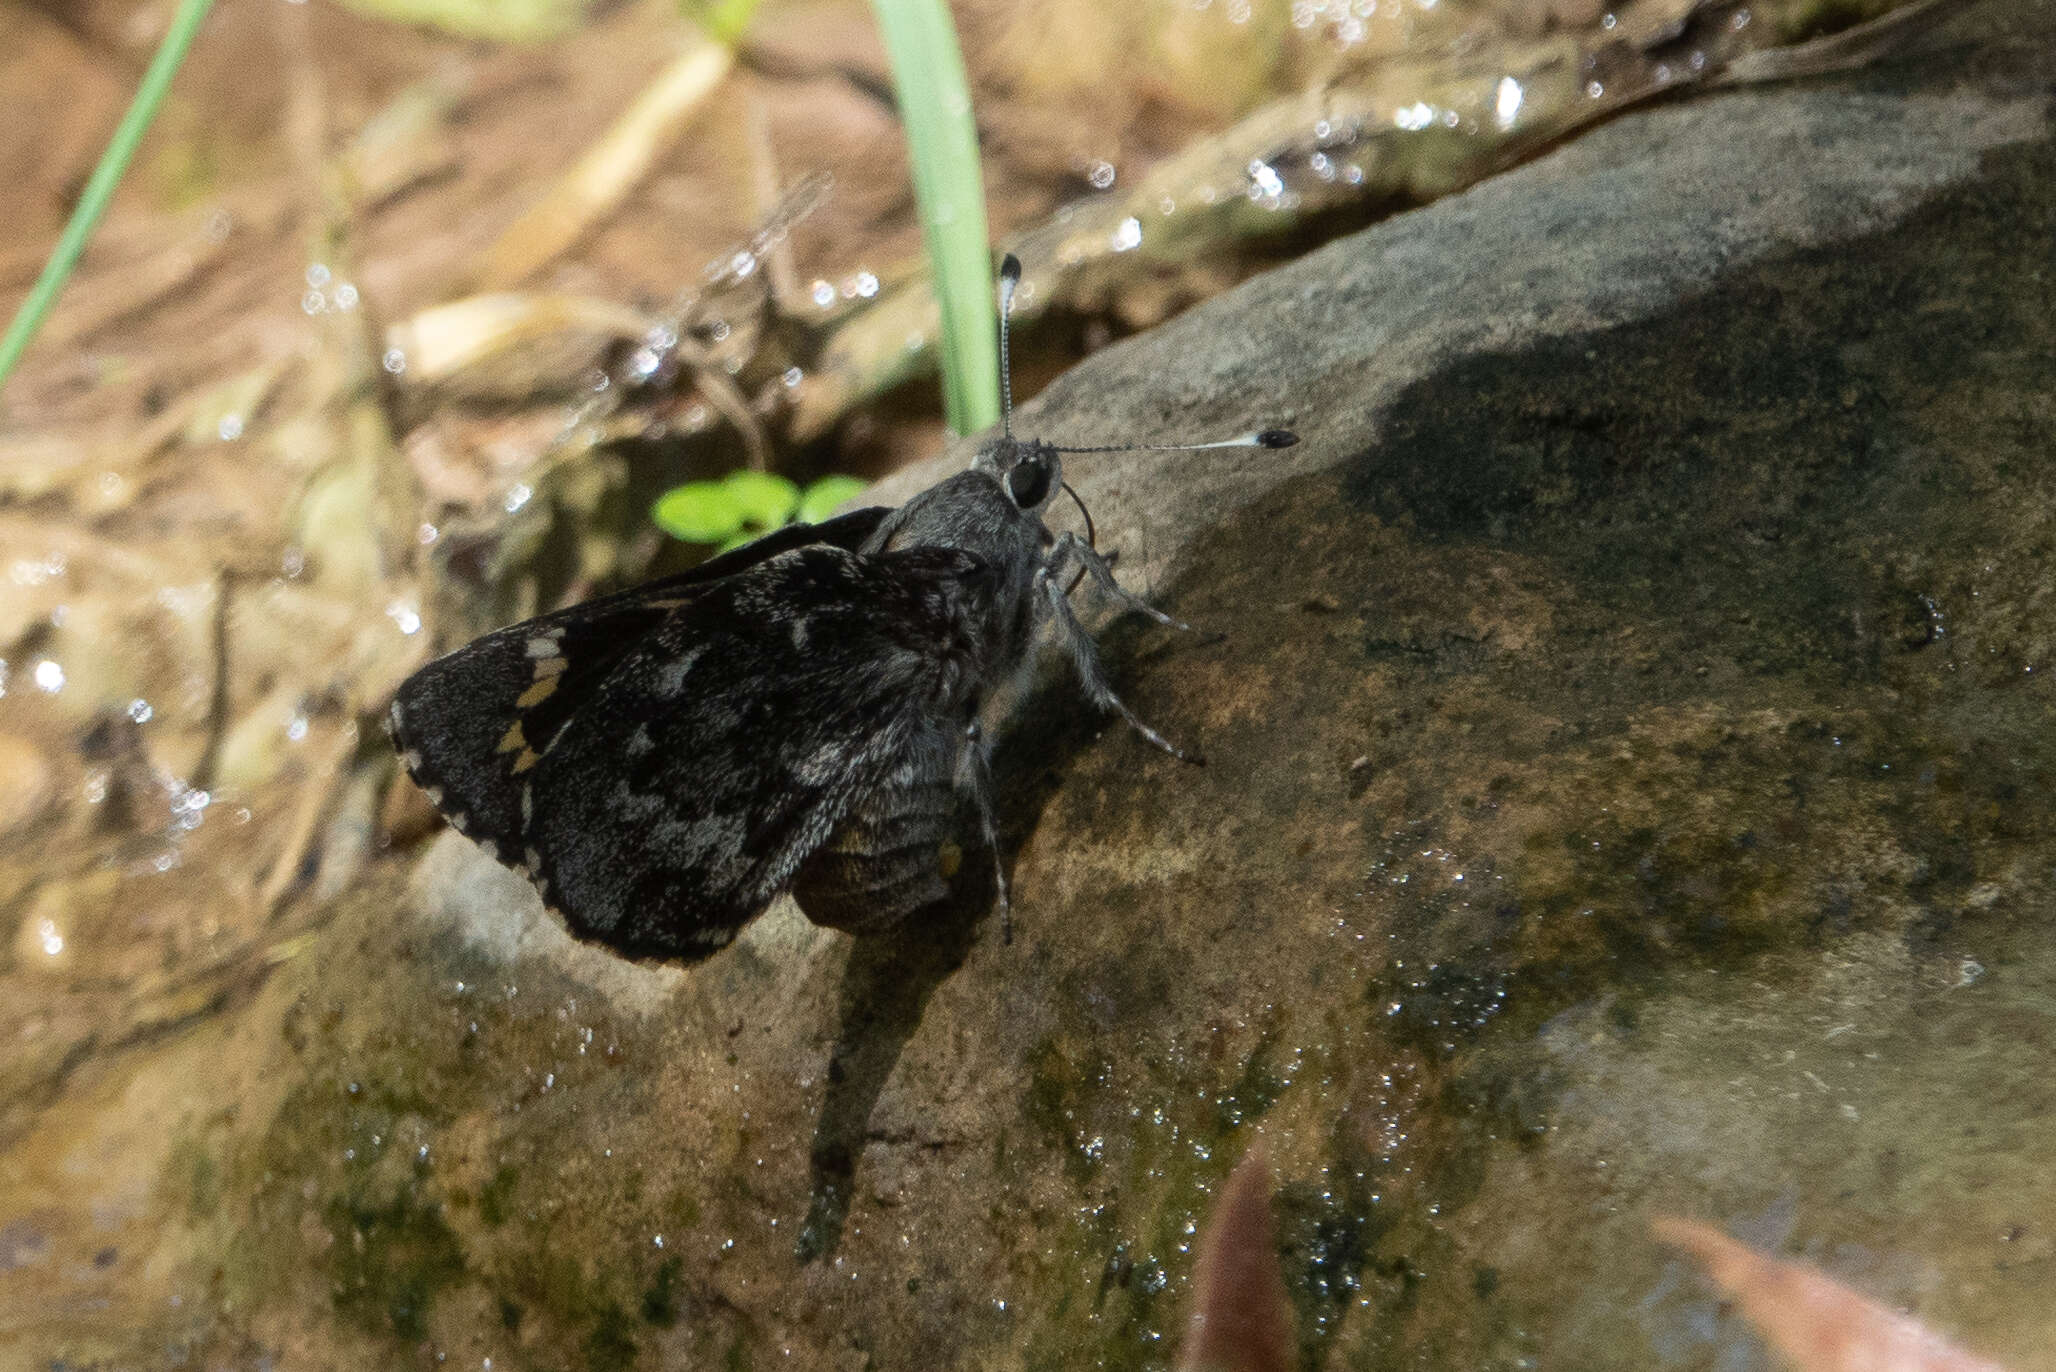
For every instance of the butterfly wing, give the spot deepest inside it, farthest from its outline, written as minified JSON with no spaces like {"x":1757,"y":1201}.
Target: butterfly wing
{"x":690,"y":784}
{"x":466,"y":723}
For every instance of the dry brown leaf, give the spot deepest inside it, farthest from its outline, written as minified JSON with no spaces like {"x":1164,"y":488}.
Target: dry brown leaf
{"x":1815,"y":1322}
{"x":1240,"y":1320}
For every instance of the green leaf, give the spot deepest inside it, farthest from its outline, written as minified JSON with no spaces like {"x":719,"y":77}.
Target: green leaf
{"x":822,"y":498}
{"x":699,"y":512}
{"x":949,"y":191}
{"x":723,"y":19}
{"x":766,"y":500}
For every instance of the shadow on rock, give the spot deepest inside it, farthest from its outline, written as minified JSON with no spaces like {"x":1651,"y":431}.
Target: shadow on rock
{"x":889,"y":978}
{"x":885,"y":987}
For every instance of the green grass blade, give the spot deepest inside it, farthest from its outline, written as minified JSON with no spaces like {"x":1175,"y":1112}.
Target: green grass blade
{"x":100,"y":189}
{"x":942,"y":143}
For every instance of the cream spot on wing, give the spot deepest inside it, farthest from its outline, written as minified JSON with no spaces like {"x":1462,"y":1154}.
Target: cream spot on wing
{"x":545,"y":645}
{"x":393,"y":719}
{"x":527,"y":806}
{"x":527,"y":760}
{"x":544,"y":688}
{"x":512,"y":739}
{"x":411,"y":760}
{"x":460,"y":821}
{"x":434,"y":794}
{"x":546,"y":667}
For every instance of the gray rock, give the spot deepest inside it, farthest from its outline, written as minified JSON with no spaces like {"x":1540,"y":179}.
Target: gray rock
{"x":1629,"y":793}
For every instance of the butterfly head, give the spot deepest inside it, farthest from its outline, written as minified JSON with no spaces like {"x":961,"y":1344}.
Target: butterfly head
{"x":1029,"y":472}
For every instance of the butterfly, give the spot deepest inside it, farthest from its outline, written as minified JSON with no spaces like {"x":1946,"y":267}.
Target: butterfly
{"x":803,"y":714}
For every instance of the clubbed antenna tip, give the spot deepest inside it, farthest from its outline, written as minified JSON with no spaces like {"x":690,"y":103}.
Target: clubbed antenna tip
{"x":1276,"y":438}
{"x":1009,"y":278}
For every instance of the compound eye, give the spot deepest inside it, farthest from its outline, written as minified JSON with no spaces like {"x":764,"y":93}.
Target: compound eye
{"x":1028,"y":482}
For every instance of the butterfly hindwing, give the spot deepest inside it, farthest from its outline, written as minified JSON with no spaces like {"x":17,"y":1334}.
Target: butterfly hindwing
{"x":471,"y":724}
{"x":720,"y":754}
{"x":893,"y":852}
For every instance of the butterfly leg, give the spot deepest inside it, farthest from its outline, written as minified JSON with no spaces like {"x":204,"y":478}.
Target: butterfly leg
{"x":1085,"y":657}
{"x":978,"y":773}
{"x":1071,"y":551}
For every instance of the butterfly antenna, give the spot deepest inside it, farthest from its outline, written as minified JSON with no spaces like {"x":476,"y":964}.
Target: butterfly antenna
{"x":1009,"y":279}
{"x":1266,"y":438}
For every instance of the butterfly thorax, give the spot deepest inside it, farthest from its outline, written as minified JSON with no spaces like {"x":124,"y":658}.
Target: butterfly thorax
{"x":972,"y":512}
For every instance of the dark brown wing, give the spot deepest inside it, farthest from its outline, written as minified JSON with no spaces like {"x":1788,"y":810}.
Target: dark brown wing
{"x":464,"y":723}
{"x":693,"y":781}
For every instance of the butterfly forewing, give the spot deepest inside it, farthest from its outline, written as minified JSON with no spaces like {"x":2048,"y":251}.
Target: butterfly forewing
{"x":472,"y":724}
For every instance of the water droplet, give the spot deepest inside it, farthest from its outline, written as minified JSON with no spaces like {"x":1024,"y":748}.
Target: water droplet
{"x":394,"y":361}
{"x":49,"y":676}
{"x":1127,"y":234}
{"x":1101,"y":175}
{"x":139,"y":710}
{"x":517,"y":496}
{"x":1418,"y":115}
{"x":230,"y":428}
{"x":822,"y":294}
{"x":345,"y":296}
{"x":314,"y":302}
{"x":1506,"y":103}
{"x":317,"y":275}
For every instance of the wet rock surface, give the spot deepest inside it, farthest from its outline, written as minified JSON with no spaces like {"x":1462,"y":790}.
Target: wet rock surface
{"x":1628,"y":794}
